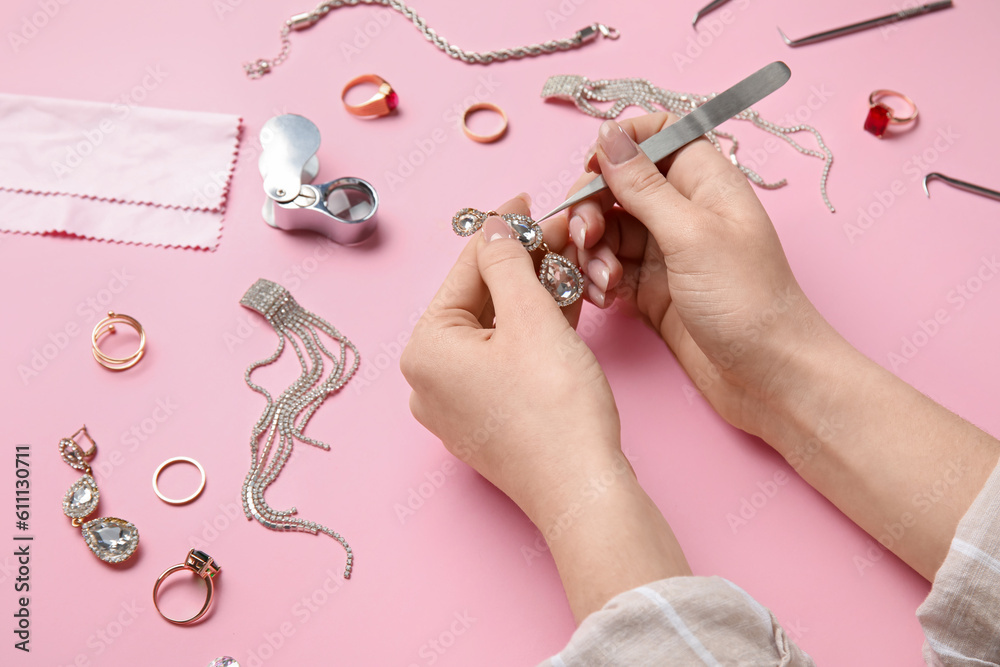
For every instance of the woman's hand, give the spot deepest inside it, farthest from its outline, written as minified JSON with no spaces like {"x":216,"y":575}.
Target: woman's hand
{"x":696,"y":253}
{"x":522,"y":400}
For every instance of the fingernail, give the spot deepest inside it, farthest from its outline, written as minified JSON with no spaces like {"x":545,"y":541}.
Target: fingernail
{"x":578,"y":230}
{"x":526,"y":198}
{"x":599,"y":273}
{"x":590,"y":156}
{"x":617,"y":145}
{"x":495,"y":228}
{"x":596,"y":295}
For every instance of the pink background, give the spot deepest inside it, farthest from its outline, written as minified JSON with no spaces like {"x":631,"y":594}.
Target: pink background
{"x":462,"y":551}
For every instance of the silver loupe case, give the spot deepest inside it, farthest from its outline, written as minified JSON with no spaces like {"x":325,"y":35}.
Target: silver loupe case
{"x":288,"y":165}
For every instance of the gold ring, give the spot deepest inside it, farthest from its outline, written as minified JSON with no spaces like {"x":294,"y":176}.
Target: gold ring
{"x":383,"y":102}
{"x":880,"y":115}
{"x":484,"y":138}
{"x":107,"y":326}
{"x":201,"y":564}
{"x":170,"y":462}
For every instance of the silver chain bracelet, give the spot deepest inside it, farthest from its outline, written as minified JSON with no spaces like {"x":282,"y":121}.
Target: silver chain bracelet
{"x":262,"y":66}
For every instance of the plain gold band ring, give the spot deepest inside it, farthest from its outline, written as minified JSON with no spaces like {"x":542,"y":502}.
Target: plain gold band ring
{"x":170,"y":462}
{"x":484,"y":138}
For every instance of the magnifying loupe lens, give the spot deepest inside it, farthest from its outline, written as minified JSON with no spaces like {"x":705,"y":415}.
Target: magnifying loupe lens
{"x":350,"y":202}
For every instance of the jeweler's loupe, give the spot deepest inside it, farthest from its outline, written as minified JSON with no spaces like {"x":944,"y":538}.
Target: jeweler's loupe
{"x":342,"y":210}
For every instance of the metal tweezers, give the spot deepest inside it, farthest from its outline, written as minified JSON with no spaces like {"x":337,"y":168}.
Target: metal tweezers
{"x":863,"y":25}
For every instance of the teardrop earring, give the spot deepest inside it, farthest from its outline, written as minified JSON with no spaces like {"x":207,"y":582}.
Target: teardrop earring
{"x":111,"y":539}
{"x":559,"y":276}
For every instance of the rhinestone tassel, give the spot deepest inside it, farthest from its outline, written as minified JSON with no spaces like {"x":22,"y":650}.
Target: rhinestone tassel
{"x":623,"y":93}
{"x":284,"y":419}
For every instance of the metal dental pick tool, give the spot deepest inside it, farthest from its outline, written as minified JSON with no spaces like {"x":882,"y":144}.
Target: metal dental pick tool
{"x":865,"y":25}
{"x":717,"y":110}
{"x":961,"y":185}
{"x":710,"y":7}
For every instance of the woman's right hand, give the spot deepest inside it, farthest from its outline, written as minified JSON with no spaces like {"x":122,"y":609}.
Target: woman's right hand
{"x":693,"y":249}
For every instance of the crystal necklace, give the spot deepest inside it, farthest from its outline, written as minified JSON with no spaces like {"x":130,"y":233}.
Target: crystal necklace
{"x":262,"y":66}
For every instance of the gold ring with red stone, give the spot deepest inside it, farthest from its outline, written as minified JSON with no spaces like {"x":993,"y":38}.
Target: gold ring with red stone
{"x":382,"y":103}
{"x":880,"y":115}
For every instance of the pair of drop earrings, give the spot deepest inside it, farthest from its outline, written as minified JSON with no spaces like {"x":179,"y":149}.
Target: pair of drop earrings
{"x":559,"y":276}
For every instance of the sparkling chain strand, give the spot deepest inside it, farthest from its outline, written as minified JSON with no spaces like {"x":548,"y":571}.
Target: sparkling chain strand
{"x":284,"y":419}
{"x":623,"y":93}
{"x":260,"y":67}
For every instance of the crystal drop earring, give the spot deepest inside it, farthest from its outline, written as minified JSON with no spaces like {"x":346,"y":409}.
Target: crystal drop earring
{"x":113,"y":540}
{"x":559,"y":276}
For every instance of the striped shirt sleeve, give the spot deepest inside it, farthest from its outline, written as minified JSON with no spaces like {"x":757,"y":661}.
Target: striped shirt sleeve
{"x":681,"y":621}
{"x":961,"y":615}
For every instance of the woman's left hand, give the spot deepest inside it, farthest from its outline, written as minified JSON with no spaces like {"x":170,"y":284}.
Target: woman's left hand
{"x":521,"y":399}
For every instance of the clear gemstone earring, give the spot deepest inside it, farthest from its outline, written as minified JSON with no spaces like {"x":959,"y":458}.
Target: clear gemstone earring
{"x":560,"y":277}
{"x":111,"y":539}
